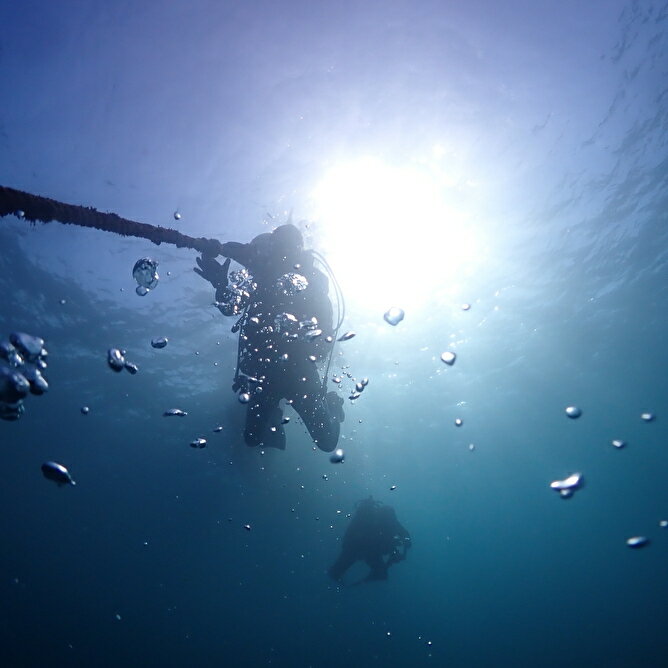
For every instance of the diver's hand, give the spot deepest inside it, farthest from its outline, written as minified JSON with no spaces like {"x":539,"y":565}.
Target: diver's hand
{"x":214,"y":272}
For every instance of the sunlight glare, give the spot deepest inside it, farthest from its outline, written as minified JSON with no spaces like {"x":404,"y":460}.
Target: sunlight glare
{"x":390,"y":234}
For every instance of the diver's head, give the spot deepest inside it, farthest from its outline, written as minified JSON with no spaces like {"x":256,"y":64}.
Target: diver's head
{"x":262,"y":246}
{"x":366,"y":504}
{"x":287,"y":240}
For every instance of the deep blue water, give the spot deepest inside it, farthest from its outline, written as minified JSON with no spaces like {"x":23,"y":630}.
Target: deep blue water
{"x":540,"y":130}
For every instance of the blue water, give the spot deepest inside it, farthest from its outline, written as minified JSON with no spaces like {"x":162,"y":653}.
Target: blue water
{"x":545,"y":127}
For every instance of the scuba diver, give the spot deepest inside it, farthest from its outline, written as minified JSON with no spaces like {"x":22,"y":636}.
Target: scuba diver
{"x":286,"y":328}
{"x":374,"y":532}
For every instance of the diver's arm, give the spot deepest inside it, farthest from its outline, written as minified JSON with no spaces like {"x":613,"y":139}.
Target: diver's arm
{"x":404,"y":538}
{"x":228,"y":301}
{"x":239,"y":252}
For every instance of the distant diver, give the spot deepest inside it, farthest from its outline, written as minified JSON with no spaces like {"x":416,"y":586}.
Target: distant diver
{"x":374,"y":536}
{"x":286,"y":328}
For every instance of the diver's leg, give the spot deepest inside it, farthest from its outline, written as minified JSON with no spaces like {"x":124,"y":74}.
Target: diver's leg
{"x":378,"y":567}
{"x":263,"y":422}
{"x":322,"y":415}
{"x":324,"y":429}
{"x":338,"y":569}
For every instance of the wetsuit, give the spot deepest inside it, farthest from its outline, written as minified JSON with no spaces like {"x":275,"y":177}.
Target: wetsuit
{"x":278,"y":357}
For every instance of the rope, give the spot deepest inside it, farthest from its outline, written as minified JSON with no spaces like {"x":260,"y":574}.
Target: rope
{"x":44,"y":210}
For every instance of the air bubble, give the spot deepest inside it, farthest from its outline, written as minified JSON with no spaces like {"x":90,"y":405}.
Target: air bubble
{"x":338,"y":456}
{"x":175,"y":411}
{"x":448,"y":358}
{"x":115,"y":359}
{"x":394,"y":316}
{"x":145,"y":272}
{"x":58,"y":473}
{"x":572,"y":482}
{"x":637,"y":541}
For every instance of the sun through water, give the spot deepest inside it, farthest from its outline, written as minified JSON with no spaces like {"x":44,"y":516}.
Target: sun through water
{"x":392,"y":233}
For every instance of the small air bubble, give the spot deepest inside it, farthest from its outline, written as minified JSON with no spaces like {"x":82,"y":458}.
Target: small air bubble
{"x":338,"y":456}
{"x":637,"y":541}
{"x":573,"y":412}
{"x":448,"y":358}
{"x":394,"y":316}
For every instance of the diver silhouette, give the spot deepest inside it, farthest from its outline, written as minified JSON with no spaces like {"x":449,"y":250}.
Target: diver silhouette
{"x":286,"y":329}
{"x":373,"y":534}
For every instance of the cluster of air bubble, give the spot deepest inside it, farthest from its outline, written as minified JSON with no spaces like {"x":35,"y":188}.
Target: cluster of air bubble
{"x":22,"y":360}
{"x":117,"y":362}
{"x":145,"y":272}
{"x":309,"y":329}
{"x":359,"y":388}
{"x":287,"y":325}
{"x":291,"y":283}
{"x":234,"y":298}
